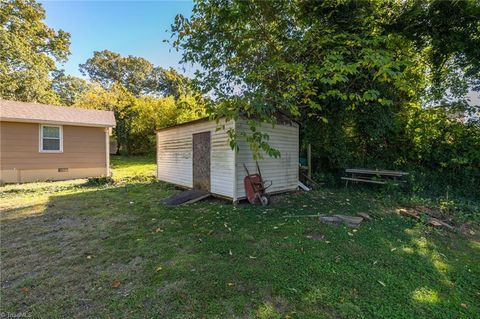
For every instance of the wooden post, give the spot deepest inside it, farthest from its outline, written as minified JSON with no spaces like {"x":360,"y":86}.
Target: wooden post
{"x":309,"y":160}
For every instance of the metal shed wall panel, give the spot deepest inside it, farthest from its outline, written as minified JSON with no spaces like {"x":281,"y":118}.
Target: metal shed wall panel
{"x":174,"y":156}
{"x":282,"y":171}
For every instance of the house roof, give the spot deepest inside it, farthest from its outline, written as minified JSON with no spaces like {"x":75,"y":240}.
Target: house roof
{"x":15,"y":111}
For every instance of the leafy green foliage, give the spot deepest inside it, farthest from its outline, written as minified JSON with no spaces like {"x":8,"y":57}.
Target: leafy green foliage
{"x":323,"y":62}
{"x":67,"y":87}
{"x":152,"y":114}
{"x":448,"y":32}
{"x":325,"y":59}
{"x":357,"y":75}
{"x":108,"y":68}
{"x":171,"y":83}
{"x":139,"y":117}
{"x":445,"y":153}
{"x":143,"y":97}
{"x":117,"y":99}
{"x":437,"y":137}
{"x":136,"y":74}
{"x":98,"y":181}
{"x":28,"y":51}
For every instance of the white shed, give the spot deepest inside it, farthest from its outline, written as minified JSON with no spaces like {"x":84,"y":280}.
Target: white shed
{"x":198,"y":155}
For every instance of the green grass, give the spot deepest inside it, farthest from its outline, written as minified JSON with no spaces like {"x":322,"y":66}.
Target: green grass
{"x":64,"y":244}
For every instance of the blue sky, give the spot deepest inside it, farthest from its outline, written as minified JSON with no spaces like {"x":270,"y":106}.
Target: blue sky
{"x":129,"y":28}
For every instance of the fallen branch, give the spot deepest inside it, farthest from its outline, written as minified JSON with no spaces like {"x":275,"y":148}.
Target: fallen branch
{"x":430,"y":219}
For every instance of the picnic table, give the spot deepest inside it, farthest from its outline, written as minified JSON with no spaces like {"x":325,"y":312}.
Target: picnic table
{"x":373,"y":176}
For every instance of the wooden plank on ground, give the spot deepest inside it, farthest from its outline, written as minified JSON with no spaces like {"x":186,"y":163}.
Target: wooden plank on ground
{"x":303,"y":186}
{"x":187,"y":197}
{"x":197,"y":199}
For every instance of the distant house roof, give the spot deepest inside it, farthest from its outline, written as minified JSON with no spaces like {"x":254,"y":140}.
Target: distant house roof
{"x":40,"y":113}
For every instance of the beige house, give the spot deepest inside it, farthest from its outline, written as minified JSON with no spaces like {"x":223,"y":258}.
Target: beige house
{"x":44,"y":142}
{"x":198,"y":155}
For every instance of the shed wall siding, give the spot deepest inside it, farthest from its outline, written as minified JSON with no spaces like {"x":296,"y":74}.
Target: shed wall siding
{"x":174,"y":156}
{"x":282,"y":171}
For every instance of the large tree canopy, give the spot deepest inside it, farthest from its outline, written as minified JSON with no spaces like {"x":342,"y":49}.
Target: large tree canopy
{"x":28,"y":50}
{"x":108,"y":68}
{"x":303,"y":55}
{"x":310,"y":59}
{"x":136,"y":74}
{"x":138,"y":118}
{"x":448,"y":35}
{"x":143,"y":97}
{"x":358,"y":75}
{"x":68,"y":88}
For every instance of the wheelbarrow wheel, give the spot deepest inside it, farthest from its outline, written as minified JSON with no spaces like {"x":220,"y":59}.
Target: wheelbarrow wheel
{"x":264,"y":200}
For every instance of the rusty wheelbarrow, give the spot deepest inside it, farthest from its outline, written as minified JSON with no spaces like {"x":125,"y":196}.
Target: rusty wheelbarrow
{"x":255,"y":187}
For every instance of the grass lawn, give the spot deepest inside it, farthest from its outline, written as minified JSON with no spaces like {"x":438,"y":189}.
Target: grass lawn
{"x":79,"y":250}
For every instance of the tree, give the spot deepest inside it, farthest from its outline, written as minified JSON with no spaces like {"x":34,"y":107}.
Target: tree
{"x":28,"y":51}
{"x":68,"y":88}
{"x":108,"y":68}
{"x":152,"y":114}
{"x":139,"y":117}
{"x":119,"y":100}
{"x":143,"y":97}
{"x":357,"y":75}
{"x":327,"y":62}
{"x":136,"y":74}
{"x":170,"y":82}
{"x":448,"y":33}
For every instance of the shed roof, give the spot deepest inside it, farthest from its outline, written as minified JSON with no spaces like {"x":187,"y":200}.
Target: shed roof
{"x":41,"y":113}
{"x":200,"y":120}
{"x":281,"y":118}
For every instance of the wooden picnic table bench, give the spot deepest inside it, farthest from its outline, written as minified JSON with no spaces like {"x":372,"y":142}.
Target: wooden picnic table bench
{"x":372,"y":176}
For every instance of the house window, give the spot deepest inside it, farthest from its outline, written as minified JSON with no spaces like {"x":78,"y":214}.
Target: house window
{"x":51,"y":139}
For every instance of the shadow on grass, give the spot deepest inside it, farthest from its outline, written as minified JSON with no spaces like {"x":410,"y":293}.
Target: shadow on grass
{"x":119,"y":252}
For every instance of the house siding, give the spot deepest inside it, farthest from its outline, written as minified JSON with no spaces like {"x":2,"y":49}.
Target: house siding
{"x":174,"y":156}
{"x":282,"y":171}
{"x":84,"y":153}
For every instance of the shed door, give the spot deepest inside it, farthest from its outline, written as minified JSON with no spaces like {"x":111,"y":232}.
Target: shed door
{"x":201,"y":161}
